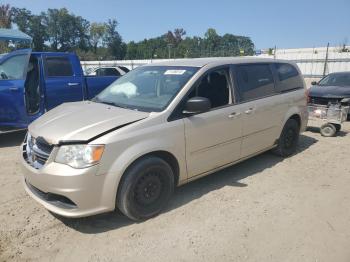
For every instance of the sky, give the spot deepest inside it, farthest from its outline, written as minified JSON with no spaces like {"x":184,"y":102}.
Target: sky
{"x":269,"y":23}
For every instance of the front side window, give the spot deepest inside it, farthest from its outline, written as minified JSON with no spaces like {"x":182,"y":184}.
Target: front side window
{"x":254,"y":81}
{"x":214,"y":86}
{"x":149,"y":88}
{"x":14,"y":67}
{"x":336,"y":80}
{"x":58,"y":66}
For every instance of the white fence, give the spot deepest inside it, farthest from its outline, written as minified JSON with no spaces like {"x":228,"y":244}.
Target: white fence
{"x":311,"y":61}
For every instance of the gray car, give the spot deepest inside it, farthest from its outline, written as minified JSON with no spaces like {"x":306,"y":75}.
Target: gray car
{"x":158,"y":127}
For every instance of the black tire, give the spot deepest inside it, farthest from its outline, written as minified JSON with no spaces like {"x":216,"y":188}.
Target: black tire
{"x":337,"y":127}
{"x":328,"y":130}
{"x":145,"y":188}
{"x":289,"y":139}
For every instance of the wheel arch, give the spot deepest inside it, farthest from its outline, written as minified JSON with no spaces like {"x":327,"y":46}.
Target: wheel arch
{"x":162,"y":154}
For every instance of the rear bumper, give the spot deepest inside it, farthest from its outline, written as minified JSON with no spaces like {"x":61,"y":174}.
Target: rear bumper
{"x":67,"y":191}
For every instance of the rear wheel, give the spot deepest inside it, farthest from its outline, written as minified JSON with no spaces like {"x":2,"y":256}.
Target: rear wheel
{"x":145,"y":188}
{"x":289,"y":139}
{"x":328,"y":130}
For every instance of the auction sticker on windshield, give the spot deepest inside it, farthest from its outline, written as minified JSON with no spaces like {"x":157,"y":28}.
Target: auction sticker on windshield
{"x":174,"y":72}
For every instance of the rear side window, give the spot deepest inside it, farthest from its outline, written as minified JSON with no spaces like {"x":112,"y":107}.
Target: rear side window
{"x":254,"y":81}
{"x":288,"y":77}
{"x":285,"y":71}
{"x":107,"y":72}
{"x":124,"y":69}
{"x":58,"y":66}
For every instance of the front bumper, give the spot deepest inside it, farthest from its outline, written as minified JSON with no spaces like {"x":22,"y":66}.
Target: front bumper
{"x":67,"y":191}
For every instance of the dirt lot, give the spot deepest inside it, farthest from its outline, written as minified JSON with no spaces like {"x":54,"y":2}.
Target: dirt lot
{"x":264,"y":209}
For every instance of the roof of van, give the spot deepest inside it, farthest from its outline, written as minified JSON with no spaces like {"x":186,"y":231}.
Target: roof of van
{"x":215,"y":61}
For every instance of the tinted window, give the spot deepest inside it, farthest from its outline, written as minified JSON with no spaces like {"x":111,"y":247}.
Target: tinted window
{"x":110,"y":71}
{"x":286,"y":71}
{"x":124,"y":69}
{"x":254,"y":81}
{"x":58,"y":66}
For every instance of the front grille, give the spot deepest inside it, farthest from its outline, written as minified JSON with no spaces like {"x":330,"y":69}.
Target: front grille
{"x":36,"y":151}
{"x":323,"y":100}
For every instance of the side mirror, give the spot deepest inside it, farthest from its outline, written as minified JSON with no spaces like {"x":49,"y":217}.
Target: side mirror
{"x":314,"y":83}
{"x":196,"y":105}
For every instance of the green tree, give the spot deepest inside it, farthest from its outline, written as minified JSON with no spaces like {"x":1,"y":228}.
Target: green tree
{"x":66,"y":31}
{"x":32,"y":25}
{"x":97,"y":32}
{"x":21,"y":17}
{"x":5,"y":16}
{"x":211,"y":41}
{"x":113,"y":40}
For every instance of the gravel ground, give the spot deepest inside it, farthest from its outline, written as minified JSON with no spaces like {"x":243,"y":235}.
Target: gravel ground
{"x":264,"y":209}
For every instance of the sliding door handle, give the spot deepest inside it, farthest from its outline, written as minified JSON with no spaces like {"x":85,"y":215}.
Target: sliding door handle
{"x":249,"y":111}
{"x":234,"y":115}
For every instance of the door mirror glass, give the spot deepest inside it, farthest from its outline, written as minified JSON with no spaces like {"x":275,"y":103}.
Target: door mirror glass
{"x":314,"y":83}
{"x":196,"y":105}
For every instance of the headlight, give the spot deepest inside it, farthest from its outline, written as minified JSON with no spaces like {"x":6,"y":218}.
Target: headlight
{"x":79,"y":156}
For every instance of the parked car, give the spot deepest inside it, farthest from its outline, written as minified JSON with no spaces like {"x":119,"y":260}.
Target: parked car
{"x":32,"y":83}
{"x":333,"y":89}
{"x":107,"y":71}
{"x":160,"y":126}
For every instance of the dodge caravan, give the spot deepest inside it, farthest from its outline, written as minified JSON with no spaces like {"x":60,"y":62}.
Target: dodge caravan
{"x":160,"y":126}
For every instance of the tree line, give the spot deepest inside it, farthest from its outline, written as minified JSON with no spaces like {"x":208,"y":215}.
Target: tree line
{"x":61,"y":30}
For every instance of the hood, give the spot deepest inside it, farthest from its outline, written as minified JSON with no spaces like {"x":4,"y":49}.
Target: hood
{"x":81,"y":121}
{"x":330,"y":91}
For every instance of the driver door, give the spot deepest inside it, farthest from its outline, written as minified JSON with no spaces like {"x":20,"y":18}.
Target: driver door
{"x":13,"y":69}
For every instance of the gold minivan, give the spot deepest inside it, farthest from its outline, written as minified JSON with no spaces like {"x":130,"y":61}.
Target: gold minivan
{"x":160,"y":126}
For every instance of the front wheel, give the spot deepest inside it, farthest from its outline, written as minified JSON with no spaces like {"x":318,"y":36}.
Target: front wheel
{"x":145,"y":188}
{"x":289,"y":139}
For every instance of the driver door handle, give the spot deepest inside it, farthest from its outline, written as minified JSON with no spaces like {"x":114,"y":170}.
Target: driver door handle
{"x":14,"y":88}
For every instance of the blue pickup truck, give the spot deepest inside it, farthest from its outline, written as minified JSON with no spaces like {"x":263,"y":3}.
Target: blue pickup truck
{"x":32,"y":83}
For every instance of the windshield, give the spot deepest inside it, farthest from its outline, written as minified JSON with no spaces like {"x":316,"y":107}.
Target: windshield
{"x":336,"y":80}
{"x":149,"y":88}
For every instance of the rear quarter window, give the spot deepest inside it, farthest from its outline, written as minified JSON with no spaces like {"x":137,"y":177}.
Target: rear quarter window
{"x":109,"y":71}
{"x":58,"y":66}
{"x":254,"y":81}
{"x":288,"y":77}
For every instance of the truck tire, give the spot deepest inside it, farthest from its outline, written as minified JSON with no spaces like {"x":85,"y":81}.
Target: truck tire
{"x":289,"y":139}
{"x":145,"y":188}
{"x":328,"y":130}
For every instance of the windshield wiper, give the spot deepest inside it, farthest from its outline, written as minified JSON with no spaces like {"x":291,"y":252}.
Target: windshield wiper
{"x":97,"y":100}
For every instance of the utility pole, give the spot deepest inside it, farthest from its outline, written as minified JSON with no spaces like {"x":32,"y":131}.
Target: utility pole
{"x":169,"y":46}
{"x":326,"y":61}
{"x":274,"y":55}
